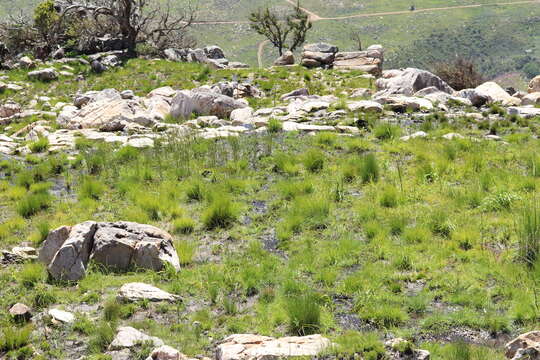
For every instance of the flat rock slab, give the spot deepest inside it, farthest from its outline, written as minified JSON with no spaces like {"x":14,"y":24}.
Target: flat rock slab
{"x":256,"y":347}
{"x":141,"y":291}
{"x":128,"y":337}
{"x":61,"y":316}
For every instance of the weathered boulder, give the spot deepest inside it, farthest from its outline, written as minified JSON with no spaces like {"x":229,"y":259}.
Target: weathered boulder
{"x":167,"y":353}
{"x":120,"y":246}
{"x":61,"y":316}
{"x":436,"y":96}
{"x":26,"y":63}
{"x":128,"y":337}
{"x":241,"y":116}
{"x":475,"y":96}
{"x":531,"y":99}
{"x":497,"y":94}
{"x":524,"y":347}
{"x":177,"y":55}
{"x":256,"y":347}
{"x":295,"y":93}
{"x":321,"y":47}
{"x":409,"y":81}
{"x":48,"y":74}
{"x":534,"y":85}
{"x":203,"y":102}
{"x":71,"y":253}
{"x":369,"y":61}
{"x":141,"y":291}
{"x":401,"y":103}
{"x":9,"y":109}
{"x":285,"y":59}
{"x":20,"y":312}
{"x":214,"y":52}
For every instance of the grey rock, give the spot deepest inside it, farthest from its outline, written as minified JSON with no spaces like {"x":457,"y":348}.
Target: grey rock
{"x":128,"y":337}
{"x":285,"y":59}
{"x":47,"y":74}
{"x":321,"y":47}
{"x":214,"y":52}
{"x":141,"y":291}
{"x":409,"y":81}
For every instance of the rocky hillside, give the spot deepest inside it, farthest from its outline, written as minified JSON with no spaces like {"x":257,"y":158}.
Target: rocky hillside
{"x":501,"y":38}
{"x":195,"y":208}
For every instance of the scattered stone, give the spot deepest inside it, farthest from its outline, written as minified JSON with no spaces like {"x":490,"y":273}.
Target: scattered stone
{"x":9,"y":109}
{"x":248,"y":347}
{"x":98,"y":67}
{"x":418,"y":134}
{"x":285,"y":59}
{"x":167,"y":353}
{"x":362,"y":92}
{"x":20,"y":312}
{"x":48,"y":74}
{"x":452,"y":136}
{"x":401,"y":103}
{"x":58,"y":53}
{"x":61,"y":316}
{"x":25,"y":252}
{"x":524,"y":347}
{"x":128,"y":337}
{"x":141,"y":291}
{"x":26,"y":63}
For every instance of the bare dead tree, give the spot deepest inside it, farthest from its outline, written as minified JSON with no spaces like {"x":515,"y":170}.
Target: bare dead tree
{"x":138,"y":21}
{"x":356,"y":36}
{"x":277,"y":28}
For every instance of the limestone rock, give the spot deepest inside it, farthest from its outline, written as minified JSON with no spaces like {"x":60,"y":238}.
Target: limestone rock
{"x":534,"y":85}
{"x":256,"y":347}
{"x":524,"y":347}
{"x":497,"y":94}
{"x":9,"y":109}
{"x":409,"y":81}
{"x":61,"y":316}
{"x":241,"y":116}
{"x":141,"y":291}
{"x":48,"y":74}
{"x":285,"y":59}
{"x":128,"y":337}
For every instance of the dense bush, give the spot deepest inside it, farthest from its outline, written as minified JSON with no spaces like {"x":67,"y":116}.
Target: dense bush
{"x":459,"y":74}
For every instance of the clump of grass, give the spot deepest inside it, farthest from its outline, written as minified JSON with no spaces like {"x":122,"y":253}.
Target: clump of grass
{"x":39,"y":146}
{"x":184,"y":225}
{"x":310,"y":211}
{"x":389,"y":197}
{"x":102,"y":336}
{"x":91,"y":189}
{"x":386,"y":131}
{"x":416,"y":235}
{"x":285,"y":164}
{"x":304,"y":314}
{"x":383,"y":315}
{"x":440,"y":224}
{"x":292,"y":189}
{"x":195,"y":191}
{"x":13,"y":338}
{"x":352,"y":343}
{"x":221,"y":213}
{"x":499,"y":201}
{"x":274,"y":126}
{"x":32,"y":203}
{"x":112,"y":310}
{"x":369,"y":169}
{"x":186,"y":251}
{"x":314,"y":161}
{"x":529,"y":234}
{"x":31,"y":274}
{"x":326,"y":139}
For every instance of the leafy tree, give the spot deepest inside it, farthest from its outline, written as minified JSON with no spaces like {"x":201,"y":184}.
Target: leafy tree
{"x":286,"y":31}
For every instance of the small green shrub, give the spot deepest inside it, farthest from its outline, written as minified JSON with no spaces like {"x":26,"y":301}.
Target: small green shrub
{"x":387,"y":131}
{"x":274,"y":126}
{"x":292,"y":189}
{"x":31,"y":274}
{"x":186,"y":251}
{"x":101,"y":338}
{"x":195,"y":191}
{"x":389,"y":197}
{"x":529,"y":234}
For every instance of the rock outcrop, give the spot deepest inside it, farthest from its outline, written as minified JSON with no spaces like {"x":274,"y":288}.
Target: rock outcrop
{"x":257,"y":347}
{"x":48,"y":74}
{"x":203,"y":102}
{"x":524,"y":347}
{"x":119,"y":246}
{"x":369,"y":61}
{"x":285,"y":59}
{"x":497,"y":94}
{"x":318,"y":55}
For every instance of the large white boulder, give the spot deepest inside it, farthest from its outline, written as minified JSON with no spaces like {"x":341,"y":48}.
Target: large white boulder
{"x":128,"y":337}
{"x":409,"y":81}
{"x":142,"y":291}
{"x":256,"y":347}
{"x":203,"y":102}
{"x":534,"y":85}
{"x":119,"y":246}
{"x":497,"y":94}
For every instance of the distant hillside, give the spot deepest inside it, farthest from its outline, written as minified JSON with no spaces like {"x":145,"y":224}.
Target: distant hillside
{"x":500,"y":38}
